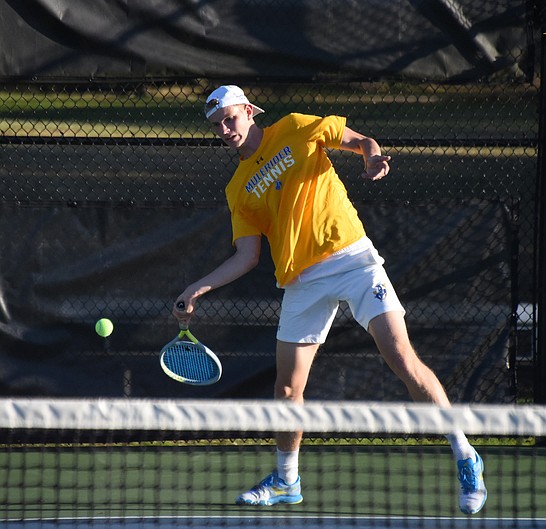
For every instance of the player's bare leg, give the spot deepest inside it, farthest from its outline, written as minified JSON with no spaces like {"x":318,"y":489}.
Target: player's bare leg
{"x":283,"y":484}
{"x":391,"y":336}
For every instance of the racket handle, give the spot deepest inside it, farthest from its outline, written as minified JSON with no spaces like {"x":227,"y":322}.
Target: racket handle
{"x":182,"y":306}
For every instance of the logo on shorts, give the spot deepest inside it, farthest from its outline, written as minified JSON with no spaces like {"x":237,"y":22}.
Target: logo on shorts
{"x":380,"y":291}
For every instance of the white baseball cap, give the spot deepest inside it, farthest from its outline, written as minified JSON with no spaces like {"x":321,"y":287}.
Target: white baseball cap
{"x":225,"y":96}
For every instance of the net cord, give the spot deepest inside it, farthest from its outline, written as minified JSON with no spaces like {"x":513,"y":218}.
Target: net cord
{"x":269,"y":415}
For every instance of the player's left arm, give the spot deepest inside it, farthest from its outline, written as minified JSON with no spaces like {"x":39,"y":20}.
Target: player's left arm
{"x":376,"y":165}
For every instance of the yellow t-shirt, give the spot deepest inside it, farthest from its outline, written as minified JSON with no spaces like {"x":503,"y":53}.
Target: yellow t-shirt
{"x":289,"y":191}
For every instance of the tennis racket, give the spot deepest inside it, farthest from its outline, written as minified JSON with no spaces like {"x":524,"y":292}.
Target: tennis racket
{"x":189,"y":361}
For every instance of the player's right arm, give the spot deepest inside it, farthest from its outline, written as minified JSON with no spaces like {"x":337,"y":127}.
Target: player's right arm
{"x":376,"y":165}
{"x":245,"y":258}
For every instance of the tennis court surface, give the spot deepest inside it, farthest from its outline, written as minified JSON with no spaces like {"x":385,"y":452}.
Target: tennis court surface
{"x":128,"y":463}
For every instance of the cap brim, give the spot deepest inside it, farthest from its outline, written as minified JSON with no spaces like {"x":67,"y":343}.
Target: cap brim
{"x":256,"y":110}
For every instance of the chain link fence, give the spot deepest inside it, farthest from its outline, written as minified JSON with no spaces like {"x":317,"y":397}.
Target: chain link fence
{"x":454,"y":220}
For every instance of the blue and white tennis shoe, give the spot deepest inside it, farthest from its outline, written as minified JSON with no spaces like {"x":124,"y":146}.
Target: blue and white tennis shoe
{"x":270,"y":491}
{"x":473,"y":492}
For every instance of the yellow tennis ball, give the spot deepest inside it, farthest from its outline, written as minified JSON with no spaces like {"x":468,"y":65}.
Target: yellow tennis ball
{"x":104,"y":327}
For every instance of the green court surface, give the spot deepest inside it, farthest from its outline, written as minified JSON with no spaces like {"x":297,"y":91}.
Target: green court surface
{"x":196,"y":483}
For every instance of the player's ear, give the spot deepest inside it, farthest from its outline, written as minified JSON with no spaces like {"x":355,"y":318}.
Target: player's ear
{"x":249,"y":110}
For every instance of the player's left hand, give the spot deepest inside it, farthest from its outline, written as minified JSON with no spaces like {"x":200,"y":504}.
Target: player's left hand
{"x":377,"y":167}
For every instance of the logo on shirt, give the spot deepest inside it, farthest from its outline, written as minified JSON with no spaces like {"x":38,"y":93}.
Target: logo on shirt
{"x":270,"y":173}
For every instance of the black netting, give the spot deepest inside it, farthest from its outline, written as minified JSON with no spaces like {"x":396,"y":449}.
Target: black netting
{"x":112,"y":192}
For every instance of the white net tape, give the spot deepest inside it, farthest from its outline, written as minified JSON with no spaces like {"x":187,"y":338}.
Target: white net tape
{"x":265,"y":416}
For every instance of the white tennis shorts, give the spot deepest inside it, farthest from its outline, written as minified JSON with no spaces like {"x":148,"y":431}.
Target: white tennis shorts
{"x":355,"y":275}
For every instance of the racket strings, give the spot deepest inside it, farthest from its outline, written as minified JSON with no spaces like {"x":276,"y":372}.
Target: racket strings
{"x":190,"y":361}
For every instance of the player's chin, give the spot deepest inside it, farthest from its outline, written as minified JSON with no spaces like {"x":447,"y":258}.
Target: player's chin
{"x":234,"y":142}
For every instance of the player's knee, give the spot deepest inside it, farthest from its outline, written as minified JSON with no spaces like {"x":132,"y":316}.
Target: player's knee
{"x":407,"y":365}
{"x":288,"y":392}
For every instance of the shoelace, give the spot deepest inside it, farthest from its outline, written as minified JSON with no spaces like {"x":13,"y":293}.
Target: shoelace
{"x":468,"y":478}
{"x":266,"y":482}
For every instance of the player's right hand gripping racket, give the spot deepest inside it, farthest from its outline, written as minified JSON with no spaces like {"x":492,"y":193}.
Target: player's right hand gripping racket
{"x":190,"y":362}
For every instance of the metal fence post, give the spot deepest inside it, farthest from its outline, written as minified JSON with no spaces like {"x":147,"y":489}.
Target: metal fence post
{"x":540,"y":243}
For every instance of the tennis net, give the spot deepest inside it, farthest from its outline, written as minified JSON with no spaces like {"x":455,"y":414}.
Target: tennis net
{"x":129,"y":463}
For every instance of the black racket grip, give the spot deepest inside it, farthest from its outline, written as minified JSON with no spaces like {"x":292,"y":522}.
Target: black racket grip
{"x":181,"y":305}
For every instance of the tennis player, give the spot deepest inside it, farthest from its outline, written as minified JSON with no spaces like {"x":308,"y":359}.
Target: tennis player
{"x":286,"y":188}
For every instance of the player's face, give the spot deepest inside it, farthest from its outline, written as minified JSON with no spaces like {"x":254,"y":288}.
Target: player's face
{"x":232,"y":124}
